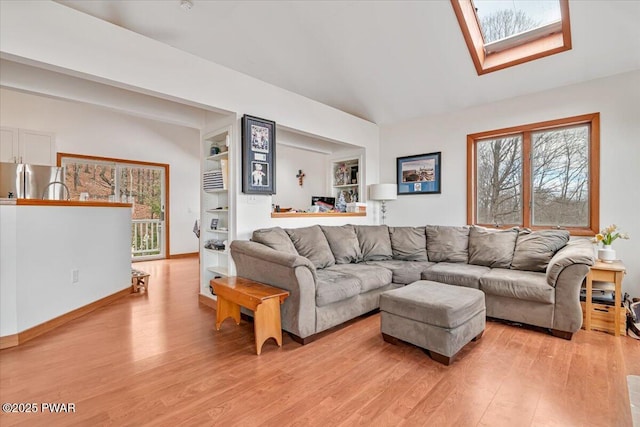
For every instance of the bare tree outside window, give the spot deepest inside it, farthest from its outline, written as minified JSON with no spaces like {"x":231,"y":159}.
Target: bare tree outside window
{"x":560,"y":169}
{"x":499,"y":180}
{"x":504,"y":23}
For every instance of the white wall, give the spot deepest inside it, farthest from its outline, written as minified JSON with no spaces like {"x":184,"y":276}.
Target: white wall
{"x":8,"y":271}
{"x":617,"y":99}
{"x":90,"y":130}
{"x":315,"y":167}
{"x":40,"y":257}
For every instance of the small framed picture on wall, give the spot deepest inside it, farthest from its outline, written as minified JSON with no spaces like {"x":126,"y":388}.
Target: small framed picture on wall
{"x":419,"y":174}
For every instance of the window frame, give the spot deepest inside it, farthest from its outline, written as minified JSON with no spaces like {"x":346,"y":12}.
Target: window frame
{"x":531,"y":50}
{"x":593,"y":120}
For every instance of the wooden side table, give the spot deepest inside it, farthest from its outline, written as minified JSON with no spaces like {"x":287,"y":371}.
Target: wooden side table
{"x":605,"y":272}
{"x":263,"y":300}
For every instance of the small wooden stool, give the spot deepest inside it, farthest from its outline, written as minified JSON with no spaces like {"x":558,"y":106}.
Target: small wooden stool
{"x":139,"y":279}
{"x":263,"y":300}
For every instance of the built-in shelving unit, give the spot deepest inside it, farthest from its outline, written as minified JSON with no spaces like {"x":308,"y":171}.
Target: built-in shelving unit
{"x":216,"y":207}
{"x":346,"y":180}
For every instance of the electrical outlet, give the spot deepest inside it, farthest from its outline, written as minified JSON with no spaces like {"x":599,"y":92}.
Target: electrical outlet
{"x":252,"y":200}
{"x":75,"y":276}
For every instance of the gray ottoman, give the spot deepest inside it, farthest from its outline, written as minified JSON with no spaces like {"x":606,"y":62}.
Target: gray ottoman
{"x":436,"y":317}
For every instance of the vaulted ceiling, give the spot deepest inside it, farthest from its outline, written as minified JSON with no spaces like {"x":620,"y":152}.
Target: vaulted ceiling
{"x":384,"y":61}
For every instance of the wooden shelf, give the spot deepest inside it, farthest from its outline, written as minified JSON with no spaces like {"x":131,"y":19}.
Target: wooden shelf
{"x":217,"y":190}
{"x":218,"y":210}
{"x":314,"y":214}
{"x":346,"y":186}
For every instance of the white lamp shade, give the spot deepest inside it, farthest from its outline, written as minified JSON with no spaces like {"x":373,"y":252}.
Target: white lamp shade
{"x":383,"y":192}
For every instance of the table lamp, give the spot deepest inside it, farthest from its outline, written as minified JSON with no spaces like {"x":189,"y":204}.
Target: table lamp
{"x":382,"y":193}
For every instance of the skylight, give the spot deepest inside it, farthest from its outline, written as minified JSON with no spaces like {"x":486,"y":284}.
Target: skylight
{"x":503,"y":33}
{"x":505,"y":24}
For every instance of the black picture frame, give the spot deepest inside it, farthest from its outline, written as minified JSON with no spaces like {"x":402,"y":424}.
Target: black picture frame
{"x":419,"y":174}
{"x":258,"y":155}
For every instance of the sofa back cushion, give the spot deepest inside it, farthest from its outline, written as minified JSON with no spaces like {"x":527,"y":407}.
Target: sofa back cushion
{"x":534,"y":249}
{"x":343,"y":242}
{"x":375,"y":243}
{"x":276,"y":238}
{"x":447,"y":243}
{"x":492,"y":248}
{"x":408,"y":243}
{"x":311,"y":244}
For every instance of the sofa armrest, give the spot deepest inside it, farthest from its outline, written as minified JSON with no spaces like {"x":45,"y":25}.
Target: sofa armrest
{"x":293,"y":273}
{"x":577,"y":251}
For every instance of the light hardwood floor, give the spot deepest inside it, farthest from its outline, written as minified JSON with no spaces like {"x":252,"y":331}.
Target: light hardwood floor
{"x":156,"y":359}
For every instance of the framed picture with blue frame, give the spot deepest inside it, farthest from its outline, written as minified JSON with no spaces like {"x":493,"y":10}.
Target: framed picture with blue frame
{"x":419,"y":174}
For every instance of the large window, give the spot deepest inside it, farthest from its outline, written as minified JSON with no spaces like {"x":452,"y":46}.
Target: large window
{"x":542,"y":175}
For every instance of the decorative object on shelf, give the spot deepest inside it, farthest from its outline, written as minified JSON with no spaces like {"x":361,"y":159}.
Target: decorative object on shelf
{"x":300,"y":177}
{"x":341,"y":204}
{"x":216,"y":245}
{"x":258,"y":155}
{"x":419,"y":174}
{"x":343,"y":175}
{"x":383,"y":193}
{"x":214,"y":224}
{"x":357,"y":207}
{"x":354,"y":174}
{"x":214,"y":150}
{"x":607,"y":236}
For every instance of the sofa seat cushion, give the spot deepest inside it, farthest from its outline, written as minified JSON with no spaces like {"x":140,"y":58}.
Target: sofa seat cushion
{"x":434,"y":303}
{"x":522,"y":285}
{"x":333,"y":286}
{"x":370,"y":276}
{"x":466,"y":275}
{"x":375,"y":243}
{"x":404,"y":272}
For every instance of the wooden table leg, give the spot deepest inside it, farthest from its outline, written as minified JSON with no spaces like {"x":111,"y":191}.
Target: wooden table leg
{"x":267,"y":323}
{"x":617,"y":302}
{"x":226,"y":309}
{"x":588,"y":302}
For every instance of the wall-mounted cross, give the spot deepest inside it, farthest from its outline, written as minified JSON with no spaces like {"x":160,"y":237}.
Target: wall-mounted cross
{"x":300,"y":177}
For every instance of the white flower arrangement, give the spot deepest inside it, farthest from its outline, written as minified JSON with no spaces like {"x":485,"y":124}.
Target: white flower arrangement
{"x":608,"y":235}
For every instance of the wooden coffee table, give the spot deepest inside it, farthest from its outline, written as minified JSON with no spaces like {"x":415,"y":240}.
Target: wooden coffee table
{"x":263,"y":300}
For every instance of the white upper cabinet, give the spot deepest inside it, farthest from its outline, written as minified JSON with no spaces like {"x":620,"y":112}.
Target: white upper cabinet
{"x":27,"y":146}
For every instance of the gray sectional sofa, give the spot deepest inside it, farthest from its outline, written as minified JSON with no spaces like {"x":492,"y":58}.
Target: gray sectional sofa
{"x":337,"y":273}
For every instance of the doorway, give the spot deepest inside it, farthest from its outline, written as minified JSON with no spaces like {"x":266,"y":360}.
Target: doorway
{"x":143,"y":184}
